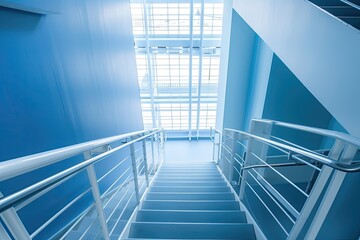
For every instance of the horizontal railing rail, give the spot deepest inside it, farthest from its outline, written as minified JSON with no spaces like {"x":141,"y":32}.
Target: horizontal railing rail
{"x":265,"y":167}
{"x":21,"y":195}
{"x":273,"y":165}
{"x":351,"y":4}
{"x":14,"y":167}
{"x":143,"y":165}
{"x":307,"y":153}
{"x":318,"y":131}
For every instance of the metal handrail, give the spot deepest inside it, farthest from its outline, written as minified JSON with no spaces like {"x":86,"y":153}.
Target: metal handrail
{"x":322,"y":159}
{"x":10,"y":200}
{"x":15,"y":167}
{"x":319,"y":131}
{"x":338,"y":161}
{"x":93,"y":152}
{"x":351,"y":4}
{"x":273,"y":165}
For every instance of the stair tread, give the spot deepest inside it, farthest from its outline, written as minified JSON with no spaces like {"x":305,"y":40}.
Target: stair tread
{"x":191,"y":216}
{"x":190,"y":201}
{"x":190,"y":196}
{"x":191,"y":205}
{"x":192,"y":230}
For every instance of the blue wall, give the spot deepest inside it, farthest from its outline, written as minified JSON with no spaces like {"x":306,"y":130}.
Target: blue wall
{"x":65,"y":78}
{"x":342,"y":221}
{"x":320,"y":50}
{"x":224,"y":62}
{"x":242,"y":43}
{"x":288,"y":100}
{"x":34,"y":6}
{"x":260,"y":73}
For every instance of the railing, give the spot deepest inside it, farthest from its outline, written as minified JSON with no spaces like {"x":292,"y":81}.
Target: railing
{"x":133,"y":159}
{"x":351,"y":4}
{"x":278,"y":179}
{"x":347,"y":11}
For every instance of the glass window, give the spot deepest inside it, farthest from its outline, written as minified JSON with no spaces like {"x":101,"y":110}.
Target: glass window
{"x":168,"y":79}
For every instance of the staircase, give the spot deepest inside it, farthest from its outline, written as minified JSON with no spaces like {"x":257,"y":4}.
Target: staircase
{"x":190,"y":201}
{"x":346,"y":10}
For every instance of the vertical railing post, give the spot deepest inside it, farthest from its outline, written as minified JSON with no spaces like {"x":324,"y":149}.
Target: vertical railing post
{"x":232,"y":159}
{"x":96,"y":194}
{"x":316,"y":191}
{"x":214,"y":144}
{"x":163,"y":145}
{"x":261,"y":129}
{"x":153,"y":152}
{"x":14,"y":224}
{"x":3,"y":234}
{"x":158,"y":148}
{"x":221,"y":157}
{"x":135,"y":172}
{"x":219,"y":147}
{"x":331,"y":192}
{"x":145,"y":162}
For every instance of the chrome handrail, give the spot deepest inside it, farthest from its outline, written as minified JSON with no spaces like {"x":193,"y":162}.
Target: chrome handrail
{"x":255,"y":172}
{"x":273,"y":165}
{"x":319,"y":131}
{"x":10,"y":200}
{"x":322,"y":159}
{"x":351,"y":4}
{"x":92,"y":151}
{"x":15,"y":167}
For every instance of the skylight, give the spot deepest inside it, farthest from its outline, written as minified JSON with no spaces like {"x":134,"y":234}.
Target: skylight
{"x":178,"y":57}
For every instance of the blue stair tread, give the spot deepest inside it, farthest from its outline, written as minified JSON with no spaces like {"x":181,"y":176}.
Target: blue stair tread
{"x":191,"y":216}
{"x":190,"y":201}
{"x":166,"y":179}
{"x":190,"y":205}
{"x":189,"y":189}
{"x":184,"y":183}
{"x":192,"y":230}
{"x":189,"y":196}
{"x":187,"y":173}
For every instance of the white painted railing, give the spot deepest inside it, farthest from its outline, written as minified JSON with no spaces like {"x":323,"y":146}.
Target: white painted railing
{"x":145,"y":155}
{"x":262,"y":164}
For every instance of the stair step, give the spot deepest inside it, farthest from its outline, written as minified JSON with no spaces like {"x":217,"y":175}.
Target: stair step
{"x":187,"y":183}
{"x":189,"y":189}
{"x":191,"y":216}
{"x":177,"y":174}
{"x":190,"y":196}
{"x":190,"y":205}
{"x":189,"y":175}
{"x":189,"y":169}
{"x":188,"y":164}
{"x":189,"y":172}
{"x":200,"y":169}
{"x":184,"y":179}
{"x":192,"y":231}
{"x":190,"y":201}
